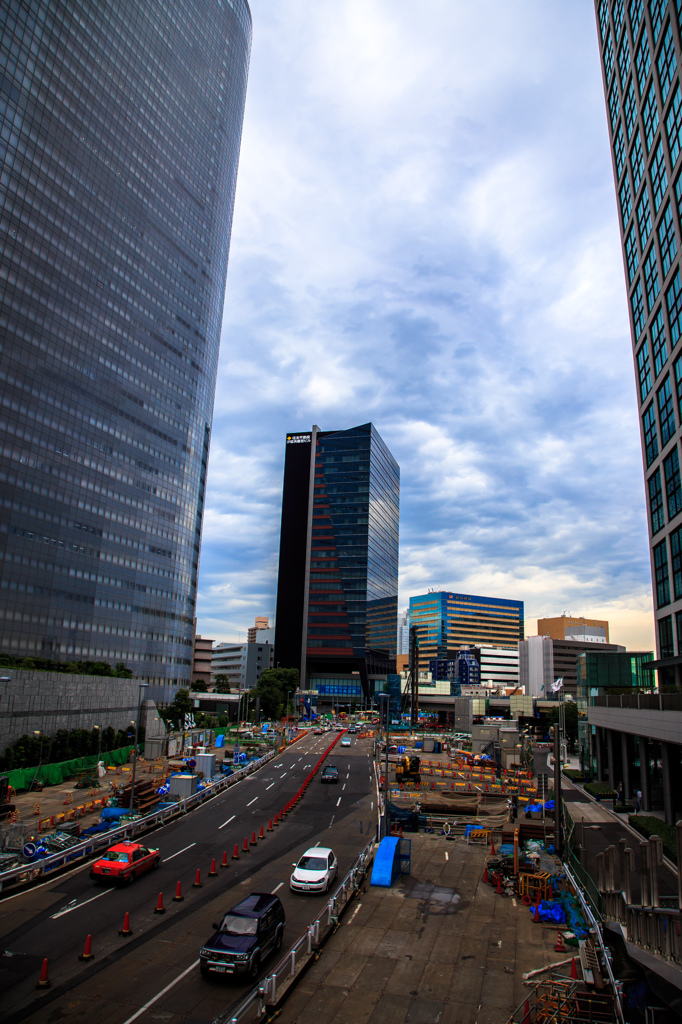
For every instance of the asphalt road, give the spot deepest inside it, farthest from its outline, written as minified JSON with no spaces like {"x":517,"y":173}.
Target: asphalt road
{"x":127,"y":973}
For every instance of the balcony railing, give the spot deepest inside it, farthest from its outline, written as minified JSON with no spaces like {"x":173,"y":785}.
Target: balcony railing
{"x":640,"y":701}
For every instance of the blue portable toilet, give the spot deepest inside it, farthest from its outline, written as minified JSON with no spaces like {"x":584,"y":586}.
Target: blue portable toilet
{"x":386,"y":862}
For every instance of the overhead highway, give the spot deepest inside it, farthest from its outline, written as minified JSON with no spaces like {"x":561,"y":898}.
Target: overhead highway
{"x":153,"y":974}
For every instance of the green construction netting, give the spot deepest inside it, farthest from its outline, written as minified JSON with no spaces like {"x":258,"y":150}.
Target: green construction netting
{"x":53,"y":774}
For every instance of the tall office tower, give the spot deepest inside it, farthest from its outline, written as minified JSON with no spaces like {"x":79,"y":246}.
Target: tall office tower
{"x":445,"y":622}
{"x":640,"y":57}
{"x":121,"y":125}
{"x":337,"y":590}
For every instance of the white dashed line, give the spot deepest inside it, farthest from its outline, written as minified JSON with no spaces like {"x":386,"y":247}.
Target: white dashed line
{"x":278,"y":887}
{"x":67,"y":910}
{"x":179,"y":852}
{"x":269,"y":787}
{"x":162,"y":992}
{"x":342,"y":789}
{"x":252,"y":801}
{"x":227,"y":822}
{"x":338,"y":801}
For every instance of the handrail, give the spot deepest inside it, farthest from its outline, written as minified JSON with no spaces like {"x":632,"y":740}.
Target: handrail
{"x":265,"y":993}
{"x":34,"y":870}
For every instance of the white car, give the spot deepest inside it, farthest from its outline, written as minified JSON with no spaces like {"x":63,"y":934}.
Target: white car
{"x":315,"y":871}
{"x":345,"y":742}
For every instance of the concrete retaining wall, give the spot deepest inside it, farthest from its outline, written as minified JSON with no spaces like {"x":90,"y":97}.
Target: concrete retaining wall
{"x":58,"y":700}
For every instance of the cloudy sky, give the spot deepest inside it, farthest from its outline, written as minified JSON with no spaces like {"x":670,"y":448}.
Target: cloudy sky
{"x":426,"y":236}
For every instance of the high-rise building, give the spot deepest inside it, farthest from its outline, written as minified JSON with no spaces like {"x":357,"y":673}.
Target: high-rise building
{"x":121,"y":125}
{"x":242,"y":664}
{"x":641,"y":57}
{"x":261,"y":622}
{"x":570,"y":627}
{"x":337,"y":590}
{"x":404,"y":632}
{"x":446,"y":621}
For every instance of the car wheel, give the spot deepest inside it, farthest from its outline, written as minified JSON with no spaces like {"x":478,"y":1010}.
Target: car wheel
{"x":130,"y":879}
{"x":254,"y":969}
{"x":156,"y":862}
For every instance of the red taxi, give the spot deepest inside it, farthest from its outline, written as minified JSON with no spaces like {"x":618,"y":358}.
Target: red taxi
{"x":124,"y":862}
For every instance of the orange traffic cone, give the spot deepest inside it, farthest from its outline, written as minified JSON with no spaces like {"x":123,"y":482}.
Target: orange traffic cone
{"x":486,"y":876}
{"x":574,"y":969}
{"x":235,"y":855}
{"x":126,"y":929}
{"x":526,"y":1012}
{"x":261,"y":834}
{"x":275,"y":820}
{"x":43,"y":980}
{"x":253,"y":838}
{"x":245,"y":847}
{"x":224,"y":861}
{"x":559,"y":947}
{"x":270,"y":825}
{"x":178,"y":898}
{"x":196,"y":884}
{"x":492,"y":846}
{"x":536,"y":914}
{"x":212,"y":873}
{"x":87,"y":953}
{"x":499,"y":884}
{"x":160,"y":909}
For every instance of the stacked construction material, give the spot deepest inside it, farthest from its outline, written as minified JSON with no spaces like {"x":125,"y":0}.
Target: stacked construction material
{"x":145,"y":798}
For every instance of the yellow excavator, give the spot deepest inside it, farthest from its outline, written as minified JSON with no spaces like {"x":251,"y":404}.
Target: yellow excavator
{"x":407,"y":770}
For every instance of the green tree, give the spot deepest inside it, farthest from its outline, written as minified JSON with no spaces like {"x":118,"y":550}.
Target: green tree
{"x":272,"y":689}
{"x":570,"y":718}
{"x":122,"y":671}
{"x":199,"y":686}
{"x":222,"y":684}
{"x":175,"y":713}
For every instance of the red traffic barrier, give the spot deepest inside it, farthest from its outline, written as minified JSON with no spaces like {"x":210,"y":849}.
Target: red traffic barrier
{"x":574,"y":970}
{"x":87,"y":953}
{"x":43,"y":980}
{"x":261,"y":834}
{"x":253,"y":838}
{"x":126,"y":929}
{"x":433,"y":785}
{"x":212,"y":873}
{"x":235,"y":855}
{"x":536,"y":913}
{"x":526,"y":1012}
{"x":245,"y":847}
{"x":224,"y":860}
{"x":452,"y":784}
{"x":178,"y":898}
{"x":196,"y":884}
{"x":160,"y":909}
{"x":270,"y":825}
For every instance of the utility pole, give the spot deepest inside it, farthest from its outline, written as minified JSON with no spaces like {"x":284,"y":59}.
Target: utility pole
{"x":414,"y":676}
{"x":558,"y":736}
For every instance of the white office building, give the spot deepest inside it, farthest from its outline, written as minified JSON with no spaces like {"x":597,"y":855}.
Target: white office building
{"x":241,"y":663}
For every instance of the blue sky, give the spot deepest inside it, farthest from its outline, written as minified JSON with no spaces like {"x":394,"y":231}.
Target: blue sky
{"x":426,"y":236}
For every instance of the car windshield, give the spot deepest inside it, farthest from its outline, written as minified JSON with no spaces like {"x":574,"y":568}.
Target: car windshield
{"x":233,"y":924}
{"x":330,"y":768}
{"x":116,"y":855}
{"x":307,"y":863}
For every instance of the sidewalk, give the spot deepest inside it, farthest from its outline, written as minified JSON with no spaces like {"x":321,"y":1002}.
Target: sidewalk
{"x":439,"y":946}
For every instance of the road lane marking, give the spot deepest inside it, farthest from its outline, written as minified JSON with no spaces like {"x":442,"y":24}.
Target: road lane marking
{"x":342,"y":789}
{"x":354,"y":914}
{"x":338,"y":801}
{"x":332,"y":821}
{"x":227,"y":822}
{"x":278,"y":887}
{"x":67,"y":910}
{"x":270,"y":786}
{"x":179,"y":852}
{"x":252,"y":801}
{"x":161,"y":993}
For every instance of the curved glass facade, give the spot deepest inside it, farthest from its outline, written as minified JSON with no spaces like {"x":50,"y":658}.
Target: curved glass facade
{"x":119,"y":144}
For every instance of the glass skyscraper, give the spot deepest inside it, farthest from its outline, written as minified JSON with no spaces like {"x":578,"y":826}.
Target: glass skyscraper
{"x":337,"y":590}
{"x":120,"y":132}
{"x":447,"y":621}
{"x":640,"y":58}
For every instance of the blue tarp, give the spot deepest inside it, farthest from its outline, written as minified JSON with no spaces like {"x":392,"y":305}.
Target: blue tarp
{"x":549,"y":910}
{"x":386,"y":862}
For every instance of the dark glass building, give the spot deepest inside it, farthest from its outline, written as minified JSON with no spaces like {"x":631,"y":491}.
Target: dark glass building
{"x":119,"y":143}
{"x":337,"y":590}
{"x":641,"y":57}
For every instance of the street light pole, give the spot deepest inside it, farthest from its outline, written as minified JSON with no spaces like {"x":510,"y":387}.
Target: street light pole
{"x":137,"y":731}
{"x":386,"y":697}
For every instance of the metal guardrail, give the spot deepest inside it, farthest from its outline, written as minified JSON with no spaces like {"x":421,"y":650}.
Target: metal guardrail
{"x":36,"y":869}
{"x":265,"y":994}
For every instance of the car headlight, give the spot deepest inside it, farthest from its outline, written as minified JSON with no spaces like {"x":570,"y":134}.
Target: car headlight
{"x":205,"y":952}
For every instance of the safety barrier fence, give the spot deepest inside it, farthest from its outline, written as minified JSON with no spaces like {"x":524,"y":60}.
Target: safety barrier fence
{"x":267,"y":993}
{"x":30,"y":872}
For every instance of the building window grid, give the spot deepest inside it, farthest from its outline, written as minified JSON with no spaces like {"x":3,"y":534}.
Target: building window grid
{"x":644,"y":371}
{"x":657,"y":9}
{"x":631,"y":254}
{"x":603,"y":18}
{"x":665,"y":637}
{"x":659,"y":346}
{"x":609,"y":62}
{"x":618,"y":15}
{"x":676,"y":565}
{"x":624,"y":60}
{"x":666,"y":411}
{"x":661,"y":578}
{"x":637,"y":304}
{"x":629,"y":108}
{"x":666,"y":239}
{"x":673,"y":488}
{"x":673,"y":298}
{"x":659,"y":175}
{"x":652,"y":283}
{"x":644,"y":221}
{"x":625,"y":197}
{"x":643,"y":62}
{"x":650,"y":116}
{"x":666,"y":62}
{"x":673,"y":125}
{"x":650,"y":434}
{"x":635,"y":11}
{"x":656,"y":502}
{"x":636,"y":157}
{"x":677,"y":369}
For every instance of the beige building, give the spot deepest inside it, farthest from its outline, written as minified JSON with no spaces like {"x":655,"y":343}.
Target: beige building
{"x":201,"y":660}
{"x":261,"y":622}
{"x":571,"y":627}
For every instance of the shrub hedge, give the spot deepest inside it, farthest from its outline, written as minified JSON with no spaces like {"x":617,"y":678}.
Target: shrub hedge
{"x":600,"y":789}
{"x":648,"y":827}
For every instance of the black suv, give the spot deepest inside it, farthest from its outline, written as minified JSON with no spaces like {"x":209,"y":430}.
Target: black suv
{"x":244,"y":937}
{"x":329,"y":774}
